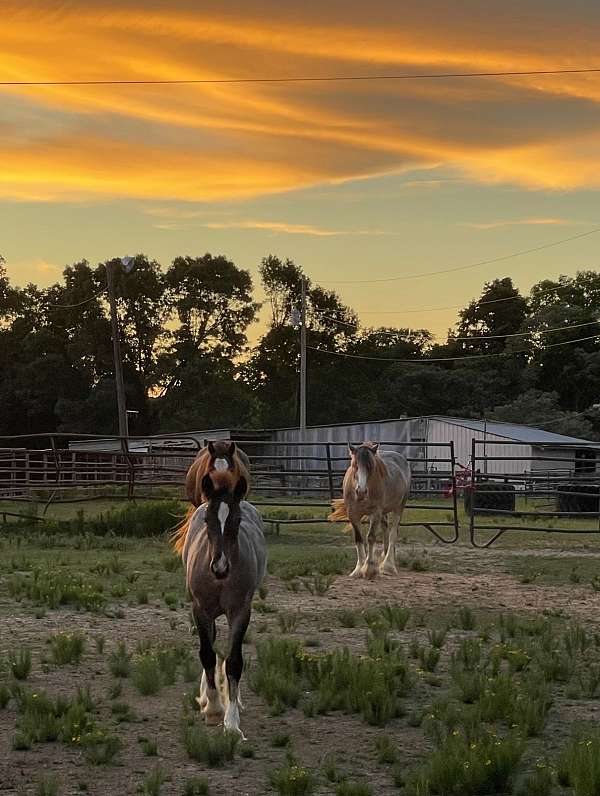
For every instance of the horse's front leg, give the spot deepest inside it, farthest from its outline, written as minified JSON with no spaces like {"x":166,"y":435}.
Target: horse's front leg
{"x":369,"y":569}
{"x":361,"y":553}
{"x":388,"y":565}
{"x":234,"y":666}
{"x":209,"y":699}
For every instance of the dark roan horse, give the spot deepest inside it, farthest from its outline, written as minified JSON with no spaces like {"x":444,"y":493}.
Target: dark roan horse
{"x":225,"y":558}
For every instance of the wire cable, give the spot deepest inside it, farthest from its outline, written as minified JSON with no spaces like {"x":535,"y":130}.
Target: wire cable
{"x":78,"y":304}
{"x":448,"y":359}
{"x":384,"y":332}
{"x":301,"y":79}
{"x":454,"y":269}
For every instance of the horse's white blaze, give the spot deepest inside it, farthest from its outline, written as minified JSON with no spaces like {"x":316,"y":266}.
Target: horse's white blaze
{"x":362,"y":478}
{"x":223,"y":514}
{"x":221,"y":465}
{"x":220,"y":565}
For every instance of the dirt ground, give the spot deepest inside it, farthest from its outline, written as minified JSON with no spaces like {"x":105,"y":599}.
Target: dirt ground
{"x":454,"y":577}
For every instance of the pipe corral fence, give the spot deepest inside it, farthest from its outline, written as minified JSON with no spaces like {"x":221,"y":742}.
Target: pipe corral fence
{"x":49,"y":469}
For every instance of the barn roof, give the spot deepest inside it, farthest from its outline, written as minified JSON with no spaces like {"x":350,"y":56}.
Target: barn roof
{"x":516,"y":432}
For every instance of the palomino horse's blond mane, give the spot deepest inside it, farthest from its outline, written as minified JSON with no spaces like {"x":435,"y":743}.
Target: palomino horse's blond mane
{"x":203,"y":465}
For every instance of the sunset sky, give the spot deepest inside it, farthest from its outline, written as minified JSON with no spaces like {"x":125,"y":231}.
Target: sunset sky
{"x":353,"y":180}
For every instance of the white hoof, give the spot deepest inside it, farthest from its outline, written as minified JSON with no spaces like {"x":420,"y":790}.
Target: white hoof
{"x":232,"y":720}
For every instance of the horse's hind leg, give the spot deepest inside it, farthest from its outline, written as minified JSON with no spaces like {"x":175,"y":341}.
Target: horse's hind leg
{"x":234,"y":667}
{"x":361,"y":553}
{"x":388,"y":565}
{"x":209,"y":699}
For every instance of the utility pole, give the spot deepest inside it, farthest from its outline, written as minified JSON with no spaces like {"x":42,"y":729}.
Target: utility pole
{"x":303,"y":358}
{"x":114,"y":319}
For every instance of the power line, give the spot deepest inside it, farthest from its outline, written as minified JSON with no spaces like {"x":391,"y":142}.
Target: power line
{"x":472,"y":303}
{"x":502,"y":258}
{"x":448,"y":359}
{"x":385,"y":333}
{"x":78,"y":304}
{"x":301,"y":79}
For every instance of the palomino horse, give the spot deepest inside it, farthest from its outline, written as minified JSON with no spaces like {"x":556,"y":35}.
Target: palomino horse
{"x":375,"y":484}
{"x":225,"y":557}
{"x":221,"y":456}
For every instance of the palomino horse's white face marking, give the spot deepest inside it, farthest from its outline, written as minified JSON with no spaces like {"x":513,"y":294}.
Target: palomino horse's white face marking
{"x":221,"y":465}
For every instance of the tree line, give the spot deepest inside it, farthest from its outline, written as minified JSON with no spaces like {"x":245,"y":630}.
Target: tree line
{"x":188,"y":364}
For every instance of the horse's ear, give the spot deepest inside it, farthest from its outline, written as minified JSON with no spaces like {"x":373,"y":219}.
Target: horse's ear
{"x":374,"y":447}
{"x":231,"y":450}
{"x":208,"y":488}
{"x":240,"y":490}
{"x":211,"y":448}
{"x":351,"y":449}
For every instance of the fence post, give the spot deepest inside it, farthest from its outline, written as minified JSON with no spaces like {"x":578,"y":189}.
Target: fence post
{"x":329,"y":471}
{"x":454,"y":497}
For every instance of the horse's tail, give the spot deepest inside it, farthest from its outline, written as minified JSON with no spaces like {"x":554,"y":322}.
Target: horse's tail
{"x":339,"y":512}
{"x":180,"y":533}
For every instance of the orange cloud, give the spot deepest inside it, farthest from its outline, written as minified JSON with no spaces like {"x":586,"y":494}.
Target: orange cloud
{"x":223,"y":141}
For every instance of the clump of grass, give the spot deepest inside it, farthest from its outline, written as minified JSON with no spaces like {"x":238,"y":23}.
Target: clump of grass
{"x":330,"y":770}
{"x":115,"y":689}
{"x":281,"y":740}
{"x":122,"y":712}
{"x":48,"y":786}
{"x":277,"y":676}
{"x":147,"y":676}
{"x":171,"y":563}
{"x":386,"y":751}
{"x":171,"y":601}
{"x":538,"y":783}
{"x":346,"y":788}
{"x":319,"y":583}
{"x":466,"y":618}
{"x":66,"y":648}
{"x":292,"y":780}
{"x":288,"y":621}
{"x":54,"y":588}
{"x":212,"y":749}
{"x":579,"y":764}
{"x":190,"y":669}
{"x":437,"y":638}
{"x":119,"y":661}
{"x":465,"y":766}
{"x":4,"y":696}
{"x":153,"y":782}
{"x":263,"y":591}
{"x":195,"y":786}
{"x":589,"y":680}
{"x":429,"y":658}
{"x":347,"y":617}
{"x":99,"y":642}
{"x":100,"y":747}
{"x":141,"y":597}
{"x":149,"y":747}
{"x":19,"y":663}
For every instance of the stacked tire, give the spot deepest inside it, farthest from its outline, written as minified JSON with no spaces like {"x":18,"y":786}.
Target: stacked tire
{"x":490,"y":496}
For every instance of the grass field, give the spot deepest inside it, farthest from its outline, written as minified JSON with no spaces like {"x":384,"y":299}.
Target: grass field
{"x":471,"y":672}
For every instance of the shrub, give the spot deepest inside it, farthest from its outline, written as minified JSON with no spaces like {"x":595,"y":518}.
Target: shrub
{"x":579,"y":764}
{"x":280,"y":740}
{"x":346,"y":788}
{"x":19,"y":663}
{"x":147,"y":675}
{"x":153,"y":782}
{"x":460,"y":766}
{"x":48,"y":786}
{"x":347,"y":617}
{"x":101,"y":748}
{"x":212,"y":749}
{"x":119,"y":661}
{"x":466,"y":618}
{"x":66,"y":648}
{"x":195,"y":786}
{"x":288,"y":622}
{"x":292,"y":780}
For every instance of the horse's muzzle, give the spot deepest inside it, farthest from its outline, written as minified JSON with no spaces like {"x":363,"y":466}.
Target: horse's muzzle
{"x":219,"y":567}
{"x":361,"y":494}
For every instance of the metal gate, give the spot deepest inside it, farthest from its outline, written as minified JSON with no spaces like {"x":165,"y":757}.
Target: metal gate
{"x":530,"y":493}
{"x":305,"y":475}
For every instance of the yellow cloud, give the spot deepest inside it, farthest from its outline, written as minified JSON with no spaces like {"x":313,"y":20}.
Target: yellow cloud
{"x":520,"y":222}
